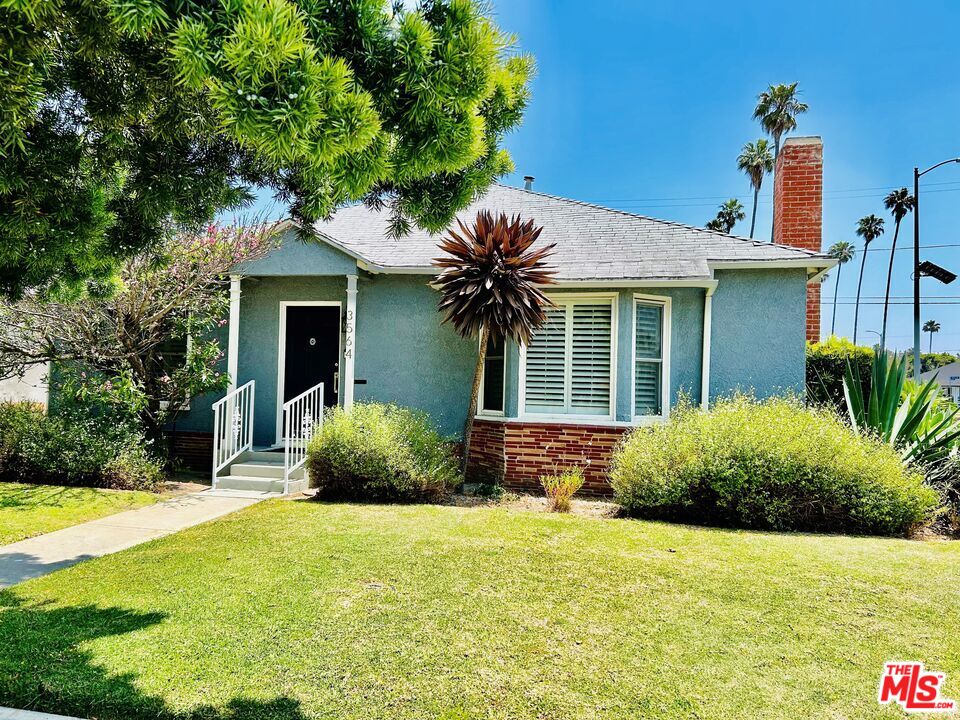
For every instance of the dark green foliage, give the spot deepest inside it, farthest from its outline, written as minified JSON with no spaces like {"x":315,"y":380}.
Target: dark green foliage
{"x":376,"y":452}
{"x":73,"y":448}
{"x":932,"y":361}
{"x":826,"y":365}
{"x":118,"y":117}
{"x":770,"y":465}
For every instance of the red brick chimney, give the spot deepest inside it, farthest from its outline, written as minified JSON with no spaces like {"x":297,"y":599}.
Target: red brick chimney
{"x":798,"y":208}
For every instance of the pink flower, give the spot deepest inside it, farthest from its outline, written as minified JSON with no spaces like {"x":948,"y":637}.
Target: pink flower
{"x":165,"y":379}
{"x":108,"y":386}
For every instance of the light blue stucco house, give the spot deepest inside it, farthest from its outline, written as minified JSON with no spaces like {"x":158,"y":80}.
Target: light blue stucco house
{"x":645,"y":310}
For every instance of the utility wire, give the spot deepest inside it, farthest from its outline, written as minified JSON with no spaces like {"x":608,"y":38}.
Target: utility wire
{"x":892,"y":302}
{"x":766,"y":197}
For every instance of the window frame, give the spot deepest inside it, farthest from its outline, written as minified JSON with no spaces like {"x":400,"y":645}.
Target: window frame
{"x":666,"y":331}
{"x":565,"y":299}
{"x":481,"y":411}
{"x":185,"y":405}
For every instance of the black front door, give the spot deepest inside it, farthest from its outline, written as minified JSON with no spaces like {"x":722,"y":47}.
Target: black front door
{"x":312,"y":351}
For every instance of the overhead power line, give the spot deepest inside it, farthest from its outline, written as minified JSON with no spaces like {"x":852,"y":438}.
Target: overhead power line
{"x":892,"y":302}
{"x":765,"y":199}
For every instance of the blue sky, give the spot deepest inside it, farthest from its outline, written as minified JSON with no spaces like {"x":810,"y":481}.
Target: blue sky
{"x":645,"y":106}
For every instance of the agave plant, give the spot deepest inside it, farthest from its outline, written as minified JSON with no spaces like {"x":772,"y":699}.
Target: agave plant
{"x":914,"y":419}
{"x":490,"y":287}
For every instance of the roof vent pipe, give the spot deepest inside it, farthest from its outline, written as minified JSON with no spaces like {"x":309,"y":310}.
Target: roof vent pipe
{"x":528,"y":182}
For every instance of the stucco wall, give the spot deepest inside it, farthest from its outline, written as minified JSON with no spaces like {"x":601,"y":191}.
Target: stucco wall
{"x":297,"y":257}
{"x":759,"y":326}
{"x":406,"y":356}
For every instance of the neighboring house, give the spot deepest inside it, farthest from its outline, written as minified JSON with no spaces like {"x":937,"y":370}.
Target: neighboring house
{"x":32,"y":386}
{"x":948,"y":378}
{"x":647,"y":311}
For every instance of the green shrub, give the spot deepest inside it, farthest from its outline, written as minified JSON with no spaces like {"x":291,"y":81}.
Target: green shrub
{"x":380,"y":452}
{"x":771,"y":465}
{"x":826,"y":365}
{"x":73,"y":448}
{"x":561,"y":487}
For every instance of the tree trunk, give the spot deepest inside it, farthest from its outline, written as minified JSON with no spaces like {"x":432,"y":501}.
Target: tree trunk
{"x":753,"y":218}
{"x":474,"y":398}
{"x":886,"y":295}
{"x":856,"y":310}
{"x":836,"y":291}
{"x":930,"y":347}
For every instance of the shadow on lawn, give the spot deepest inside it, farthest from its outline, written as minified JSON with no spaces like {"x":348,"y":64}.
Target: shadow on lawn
{"x":44,"y":668}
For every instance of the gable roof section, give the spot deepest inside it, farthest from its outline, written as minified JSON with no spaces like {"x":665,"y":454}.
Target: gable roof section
{"x":593,"y":242}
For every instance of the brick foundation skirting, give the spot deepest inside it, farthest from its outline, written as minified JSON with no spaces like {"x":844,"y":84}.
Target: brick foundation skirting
{"x":518,"y":453}
{"x":193,"y":450}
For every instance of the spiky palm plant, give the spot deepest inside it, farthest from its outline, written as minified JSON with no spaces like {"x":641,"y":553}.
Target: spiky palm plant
{"x":931,"y":326}
{"x":777,"y":109}
{"x":843,"y":253}
{"x":912,"y":419}
{"x":869,"y":228}
{"x":899,"y":203}
{"x":728,"y":214}
{"x":489,"y":287}
{"x":756,"y":161}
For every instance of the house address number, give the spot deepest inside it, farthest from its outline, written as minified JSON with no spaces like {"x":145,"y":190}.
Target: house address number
{"x":348,"y":340}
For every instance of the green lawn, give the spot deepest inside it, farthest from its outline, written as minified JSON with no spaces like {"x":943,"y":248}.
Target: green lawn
{"x":28,"y":510}
{"x":295,"y":610}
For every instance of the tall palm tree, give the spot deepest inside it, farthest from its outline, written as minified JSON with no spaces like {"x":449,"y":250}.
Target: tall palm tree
{"x":931,"y":326}
{"x":869,"y":228}
{"x":777,"y":109}
{"x":899,"y":203}
{"x":728,"y":215}
{"x":756,"y":161}
{"x":489,"y":288}
{"x":843,"y":252}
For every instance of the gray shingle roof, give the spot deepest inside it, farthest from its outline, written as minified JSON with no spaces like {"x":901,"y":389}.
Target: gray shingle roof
{"x":593,"y":242}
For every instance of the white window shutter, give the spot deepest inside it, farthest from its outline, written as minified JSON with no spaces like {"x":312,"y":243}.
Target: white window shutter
{"x":590,"y":359}
{"x":545,"y":373}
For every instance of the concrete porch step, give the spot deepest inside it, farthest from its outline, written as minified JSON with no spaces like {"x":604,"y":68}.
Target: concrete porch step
{"x":269,"y":456}
{"x":258,"y":468}
{"x":259,"y":484}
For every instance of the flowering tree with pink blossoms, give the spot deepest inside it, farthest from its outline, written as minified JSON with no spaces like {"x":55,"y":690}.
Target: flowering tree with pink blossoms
{"x":109,"y":346}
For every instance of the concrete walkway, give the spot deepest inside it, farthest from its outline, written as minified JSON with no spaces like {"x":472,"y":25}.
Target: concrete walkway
{"x":11,"y":714}
{"x":45,"y":553}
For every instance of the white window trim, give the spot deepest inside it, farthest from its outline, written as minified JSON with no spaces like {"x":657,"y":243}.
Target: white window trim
{"x":613,"y":298}
{"x":481,"y":411}
{"x":282,"y":348}
{"x":666,"y":332}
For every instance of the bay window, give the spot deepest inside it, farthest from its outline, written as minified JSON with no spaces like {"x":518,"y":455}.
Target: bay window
{"x":569,"y":364}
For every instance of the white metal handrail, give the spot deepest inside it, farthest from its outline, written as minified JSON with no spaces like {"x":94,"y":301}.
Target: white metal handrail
{"x":301,"y":416}
{"x":232,"y":426}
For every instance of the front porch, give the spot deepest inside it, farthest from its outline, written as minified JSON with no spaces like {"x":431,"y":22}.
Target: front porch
{"x":260,"y":431}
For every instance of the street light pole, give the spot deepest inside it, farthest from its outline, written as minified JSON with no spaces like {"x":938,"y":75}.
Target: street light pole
{"x":916,"y":275}
{"x":917,"y":174}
